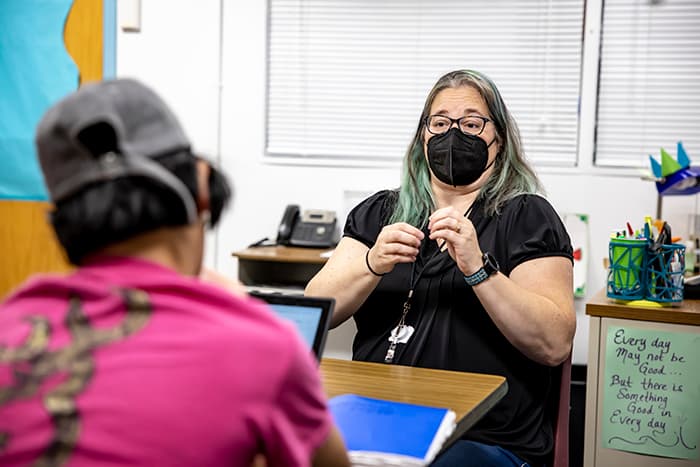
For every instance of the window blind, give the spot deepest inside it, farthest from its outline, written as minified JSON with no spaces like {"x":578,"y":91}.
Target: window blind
{"x":649,"y":94}
{"x":347,"y":79}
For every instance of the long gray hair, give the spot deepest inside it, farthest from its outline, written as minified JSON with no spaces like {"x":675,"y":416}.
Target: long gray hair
{"x":511,"y":175}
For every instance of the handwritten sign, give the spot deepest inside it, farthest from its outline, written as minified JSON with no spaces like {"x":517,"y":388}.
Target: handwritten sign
{"x":651,"y":392}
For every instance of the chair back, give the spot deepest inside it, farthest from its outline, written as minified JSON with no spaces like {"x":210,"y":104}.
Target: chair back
{"x":559,"y":406}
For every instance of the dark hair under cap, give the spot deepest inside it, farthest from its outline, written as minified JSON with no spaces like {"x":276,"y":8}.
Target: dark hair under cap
{"x":117,"y":163}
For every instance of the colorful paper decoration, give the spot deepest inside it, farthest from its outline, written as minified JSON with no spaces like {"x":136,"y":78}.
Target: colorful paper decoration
{"x":675,"y":176}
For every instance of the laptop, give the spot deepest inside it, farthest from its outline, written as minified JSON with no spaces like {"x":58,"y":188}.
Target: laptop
{"x":310,"y":315}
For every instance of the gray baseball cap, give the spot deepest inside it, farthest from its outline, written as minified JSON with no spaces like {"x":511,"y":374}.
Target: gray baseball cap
{"x":143,"y":126}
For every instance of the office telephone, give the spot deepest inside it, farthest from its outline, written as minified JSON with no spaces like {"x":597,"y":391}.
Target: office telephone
{"x":309,"y":228}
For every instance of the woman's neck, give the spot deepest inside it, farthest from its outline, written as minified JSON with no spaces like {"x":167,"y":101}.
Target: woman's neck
{"x":459,"y":198}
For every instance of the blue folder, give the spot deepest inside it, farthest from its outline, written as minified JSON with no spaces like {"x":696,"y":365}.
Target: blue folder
{"x":393,"y":428}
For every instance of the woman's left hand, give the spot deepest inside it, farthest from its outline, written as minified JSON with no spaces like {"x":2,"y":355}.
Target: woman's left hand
{"x":458,"y":233}
{"x":533,"y":306}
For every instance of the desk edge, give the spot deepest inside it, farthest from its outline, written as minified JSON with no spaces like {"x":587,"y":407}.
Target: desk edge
{"x":471,"y":418}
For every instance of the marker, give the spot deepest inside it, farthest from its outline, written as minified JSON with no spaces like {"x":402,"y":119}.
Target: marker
{"x":658,"y":224}
{"x":618,"y":233}
{"x":647,"y":228}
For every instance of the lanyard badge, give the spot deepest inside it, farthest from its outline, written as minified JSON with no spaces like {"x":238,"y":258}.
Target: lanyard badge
{"x":401,"y":333}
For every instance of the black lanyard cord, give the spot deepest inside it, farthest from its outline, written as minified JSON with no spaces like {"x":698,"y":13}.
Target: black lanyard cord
{"x":412,"y":283}
{"x":413,"y":280}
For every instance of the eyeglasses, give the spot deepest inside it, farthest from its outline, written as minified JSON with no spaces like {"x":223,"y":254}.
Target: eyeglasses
{"x":471,"y":124}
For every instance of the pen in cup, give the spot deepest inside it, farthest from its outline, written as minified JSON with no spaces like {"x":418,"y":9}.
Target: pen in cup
{"x":647,"y":228}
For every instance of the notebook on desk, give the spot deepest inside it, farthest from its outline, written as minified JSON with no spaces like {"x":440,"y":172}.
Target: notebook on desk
{"x":310,"y":315}
{"x":381,"y":432}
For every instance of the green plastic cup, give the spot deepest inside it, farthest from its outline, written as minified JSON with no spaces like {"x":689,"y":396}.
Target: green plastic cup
{"x":626,"y":274}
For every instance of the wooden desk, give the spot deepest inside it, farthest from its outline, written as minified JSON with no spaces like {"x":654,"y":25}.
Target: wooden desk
{"x":279,"y":265}
{"x":469,"y":395}
{"x":604,"y":314}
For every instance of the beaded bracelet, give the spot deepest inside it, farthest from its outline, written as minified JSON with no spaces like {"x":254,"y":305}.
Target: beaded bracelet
{"x":370,"y":267}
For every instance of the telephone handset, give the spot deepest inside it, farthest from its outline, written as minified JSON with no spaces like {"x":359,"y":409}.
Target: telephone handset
{"x":289,"y":218}
{"x":310,"y":228}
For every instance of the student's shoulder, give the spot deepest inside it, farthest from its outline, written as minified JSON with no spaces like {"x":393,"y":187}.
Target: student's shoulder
{"x":243,"y":315}
{"x":270,"y":344}
{"x":49,"y":288}
{"x":238,"y":325}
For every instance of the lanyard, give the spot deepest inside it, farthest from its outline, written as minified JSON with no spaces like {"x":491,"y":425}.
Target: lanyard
{"x":413,"y":281}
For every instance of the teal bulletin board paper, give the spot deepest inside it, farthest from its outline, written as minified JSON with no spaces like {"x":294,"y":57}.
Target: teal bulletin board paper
{"x":35,"y":72}
{"x":651,"y":392}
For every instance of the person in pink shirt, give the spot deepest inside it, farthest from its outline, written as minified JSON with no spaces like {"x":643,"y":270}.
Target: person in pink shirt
{"x":135,"y":358}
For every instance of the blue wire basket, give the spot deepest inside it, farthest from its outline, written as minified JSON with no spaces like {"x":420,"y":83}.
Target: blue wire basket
{"x":664,"y":273}
{"x":641,"y":270}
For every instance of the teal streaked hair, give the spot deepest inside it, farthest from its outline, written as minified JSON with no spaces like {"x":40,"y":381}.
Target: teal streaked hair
{"x":511,"y":175}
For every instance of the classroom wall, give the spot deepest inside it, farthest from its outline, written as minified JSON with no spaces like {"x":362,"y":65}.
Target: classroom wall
{"x":210,"y":65}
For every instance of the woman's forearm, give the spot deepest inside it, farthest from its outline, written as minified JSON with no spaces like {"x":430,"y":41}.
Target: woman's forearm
{"x":534,"y":308}
{"x":346,"y":278}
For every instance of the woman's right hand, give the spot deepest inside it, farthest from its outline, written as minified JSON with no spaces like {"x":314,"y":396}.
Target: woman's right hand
{"x":396,"y":243}
{"x":213,"y":277}
{"x":345,"y":276}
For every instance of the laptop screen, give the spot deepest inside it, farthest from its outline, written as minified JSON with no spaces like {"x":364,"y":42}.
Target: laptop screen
{"x":310,"y":315}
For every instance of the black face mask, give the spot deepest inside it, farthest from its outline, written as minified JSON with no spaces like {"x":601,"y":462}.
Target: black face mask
{"x":457,"y":158}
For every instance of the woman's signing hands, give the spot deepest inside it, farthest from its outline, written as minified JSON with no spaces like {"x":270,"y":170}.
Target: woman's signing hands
{"x":396,"y":243}
{"x":458,"y":233}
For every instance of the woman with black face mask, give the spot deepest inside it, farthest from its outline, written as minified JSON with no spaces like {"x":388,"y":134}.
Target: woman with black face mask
{"x":463,"y":267}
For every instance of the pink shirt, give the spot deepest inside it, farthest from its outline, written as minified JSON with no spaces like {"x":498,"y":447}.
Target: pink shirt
{"x":190,"y":376}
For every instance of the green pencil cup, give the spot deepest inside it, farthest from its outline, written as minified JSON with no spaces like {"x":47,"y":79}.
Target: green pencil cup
{"x":626,"y":276}
{"x":665,"y":265}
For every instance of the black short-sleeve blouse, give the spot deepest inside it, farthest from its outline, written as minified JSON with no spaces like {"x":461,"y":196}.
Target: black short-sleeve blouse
{"x":452,"y":329}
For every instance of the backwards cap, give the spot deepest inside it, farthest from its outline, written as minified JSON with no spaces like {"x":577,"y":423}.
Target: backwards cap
{"x":143,"y":128}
